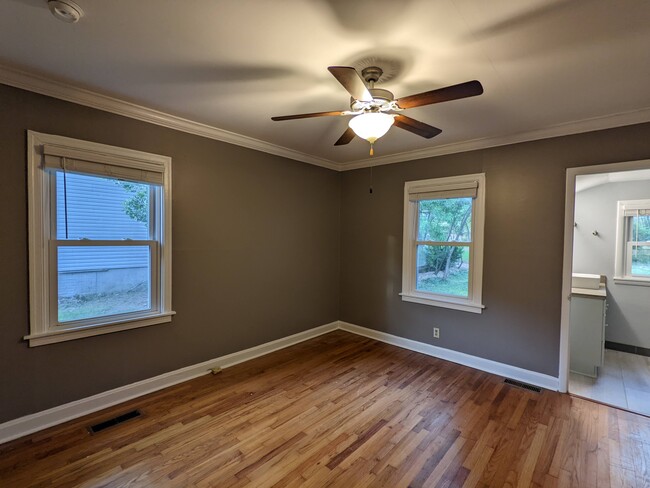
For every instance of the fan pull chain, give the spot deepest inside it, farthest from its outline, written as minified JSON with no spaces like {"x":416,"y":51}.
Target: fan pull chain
{"x":372,"y":150}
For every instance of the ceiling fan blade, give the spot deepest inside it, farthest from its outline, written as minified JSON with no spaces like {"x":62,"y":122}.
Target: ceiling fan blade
{"x":454,"y":92}
{"x":415,"y":126}
{"x":306,"y":116}
{"x":352,"y":82}
{"x":347,"y":136}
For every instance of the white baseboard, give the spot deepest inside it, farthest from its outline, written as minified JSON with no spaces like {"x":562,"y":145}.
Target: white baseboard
{"x":29,"y":424}
{"x":500,"y":369}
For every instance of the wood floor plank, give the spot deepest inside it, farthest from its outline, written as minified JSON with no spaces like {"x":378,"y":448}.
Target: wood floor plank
{"x":342,"y":411}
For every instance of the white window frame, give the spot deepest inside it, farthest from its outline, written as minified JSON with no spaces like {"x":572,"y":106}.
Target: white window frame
{"x":44,"y":326}
{"x":623,"y":265}
{"x":449,"y":186}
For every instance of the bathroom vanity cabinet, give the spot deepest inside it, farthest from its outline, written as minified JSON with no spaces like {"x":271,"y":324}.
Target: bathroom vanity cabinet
{"x":587,"y":330}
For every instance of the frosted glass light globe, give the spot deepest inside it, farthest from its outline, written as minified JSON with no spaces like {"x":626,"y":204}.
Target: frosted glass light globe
{"x":371,"y":126}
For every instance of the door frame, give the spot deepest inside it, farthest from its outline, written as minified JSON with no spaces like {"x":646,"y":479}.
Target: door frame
{"x":567,"y":266}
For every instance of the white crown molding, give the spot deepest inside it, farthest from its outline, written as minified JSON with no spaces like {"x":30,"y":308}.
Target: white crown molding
{"x":29,"y":424}
{"x":65,"y":91}
{"x":494,"y":367}
{"x":632,"y":117}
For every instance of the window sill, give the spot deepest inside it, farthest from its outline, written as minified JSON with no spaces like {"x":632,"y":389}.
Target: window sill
{"x":438,"y":302}
{"x":52,"y":336}
{"x":624,"y":280}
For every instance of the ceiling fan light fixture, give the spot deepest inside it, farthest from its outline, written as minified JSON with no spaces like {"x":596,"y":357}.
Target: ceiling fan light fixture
{"x":371,"y":126}
{"x":370,"y":106}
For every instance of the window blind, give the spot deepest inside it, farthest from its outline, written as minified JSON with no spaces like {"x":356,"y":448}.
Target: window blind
{"x":457,"y":190}
{"x":636,"y":212}
{"x":57,"y":158}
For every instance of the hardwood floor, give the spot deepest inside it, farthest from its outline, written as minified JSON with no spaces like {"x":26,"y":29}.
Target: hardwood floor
{"x":341,"y":410}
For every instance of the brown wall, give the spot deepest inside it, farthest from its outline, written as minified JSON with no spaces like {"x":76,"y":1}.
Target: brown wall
{"x":523,"y":246}
{"x":255,"y":256}
{"x":259,"y":241}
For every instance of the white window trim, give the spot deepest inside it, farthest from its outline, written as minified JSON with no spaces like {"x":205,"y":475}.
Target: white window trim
{"x":623,"y":257}
{"x":409,"y":293}
{"x":41,"y":332}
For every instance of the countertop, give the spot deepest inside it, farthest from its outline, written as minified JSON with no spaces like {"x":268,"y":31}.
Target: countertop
{"x":599,"y":293}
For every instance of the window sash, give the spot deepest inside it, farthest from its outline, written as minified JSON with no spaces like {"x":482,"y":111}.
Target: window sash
{"x":155,"y":209}
{"x":414,"y":248}
{"x":630,"y":211}
{"x":626,"y":239}
{"x":155,"y":236}
{"x":629,"y":255}
{"x":630,"y":230}
{"x":416,"y":203}
{"x":445,"y":295}
{"x":154,"y":277}
{"x":414,"y":274}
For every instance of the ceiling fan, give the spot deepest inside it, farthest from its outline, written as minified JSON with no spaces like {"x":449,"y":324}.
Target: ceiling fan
{"x":375,"y":110}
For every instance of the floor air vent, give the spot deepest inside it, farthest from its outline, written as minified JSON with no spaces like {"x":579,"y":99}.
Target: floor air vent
{"x":114,"y":421}
{"x":525,"y":386}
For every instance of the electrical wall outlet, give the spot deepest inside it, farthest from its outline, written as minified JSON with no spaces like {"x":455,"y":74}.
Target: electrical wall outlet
{"x":436,"y":333}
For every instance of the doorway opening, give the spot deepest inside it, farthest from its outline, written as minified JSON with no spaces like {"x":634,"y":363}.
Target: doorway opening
{"x":605,"y":343}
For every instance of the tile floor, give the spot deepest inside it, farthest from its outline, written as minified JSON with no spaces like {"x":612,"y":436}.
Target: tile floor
{"x":623,"y":381}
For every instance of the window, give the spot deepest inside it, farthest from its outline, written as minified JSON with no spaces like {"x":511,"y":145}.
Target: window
{"x":99,"y":241}
{"x":443,"y":242}
{"x":633,"y":243}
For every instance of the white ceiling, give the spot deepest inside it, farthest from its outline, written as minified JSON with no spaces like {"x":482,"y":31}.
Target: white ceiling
{"x":584,"y":182}
{"x":232,"y":64}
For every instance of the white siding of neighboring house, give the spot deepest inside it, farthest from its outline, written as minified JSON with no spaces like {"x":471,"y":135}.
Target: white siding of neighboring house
{"x":95,"y":210}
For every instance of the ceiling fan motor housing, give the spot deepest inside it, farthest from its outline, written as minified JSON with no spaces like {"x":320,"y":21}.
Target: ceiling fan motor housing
{"x":372,"y":74}
{"x":381,"y":101}
{"x":380,"y":94}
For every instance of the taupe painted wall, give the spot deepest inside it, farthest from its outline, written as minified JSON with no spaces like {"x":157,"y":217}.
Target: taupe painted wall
{"x":265,"y":247}
{"x":596,"y":209}
{"x":255,"y":256}
{"x":523,"y":245}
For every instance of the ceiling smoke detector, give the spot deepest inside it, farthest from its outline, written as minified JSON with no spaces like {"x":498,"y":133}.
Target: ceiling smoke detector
{"x":65,"y":10}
